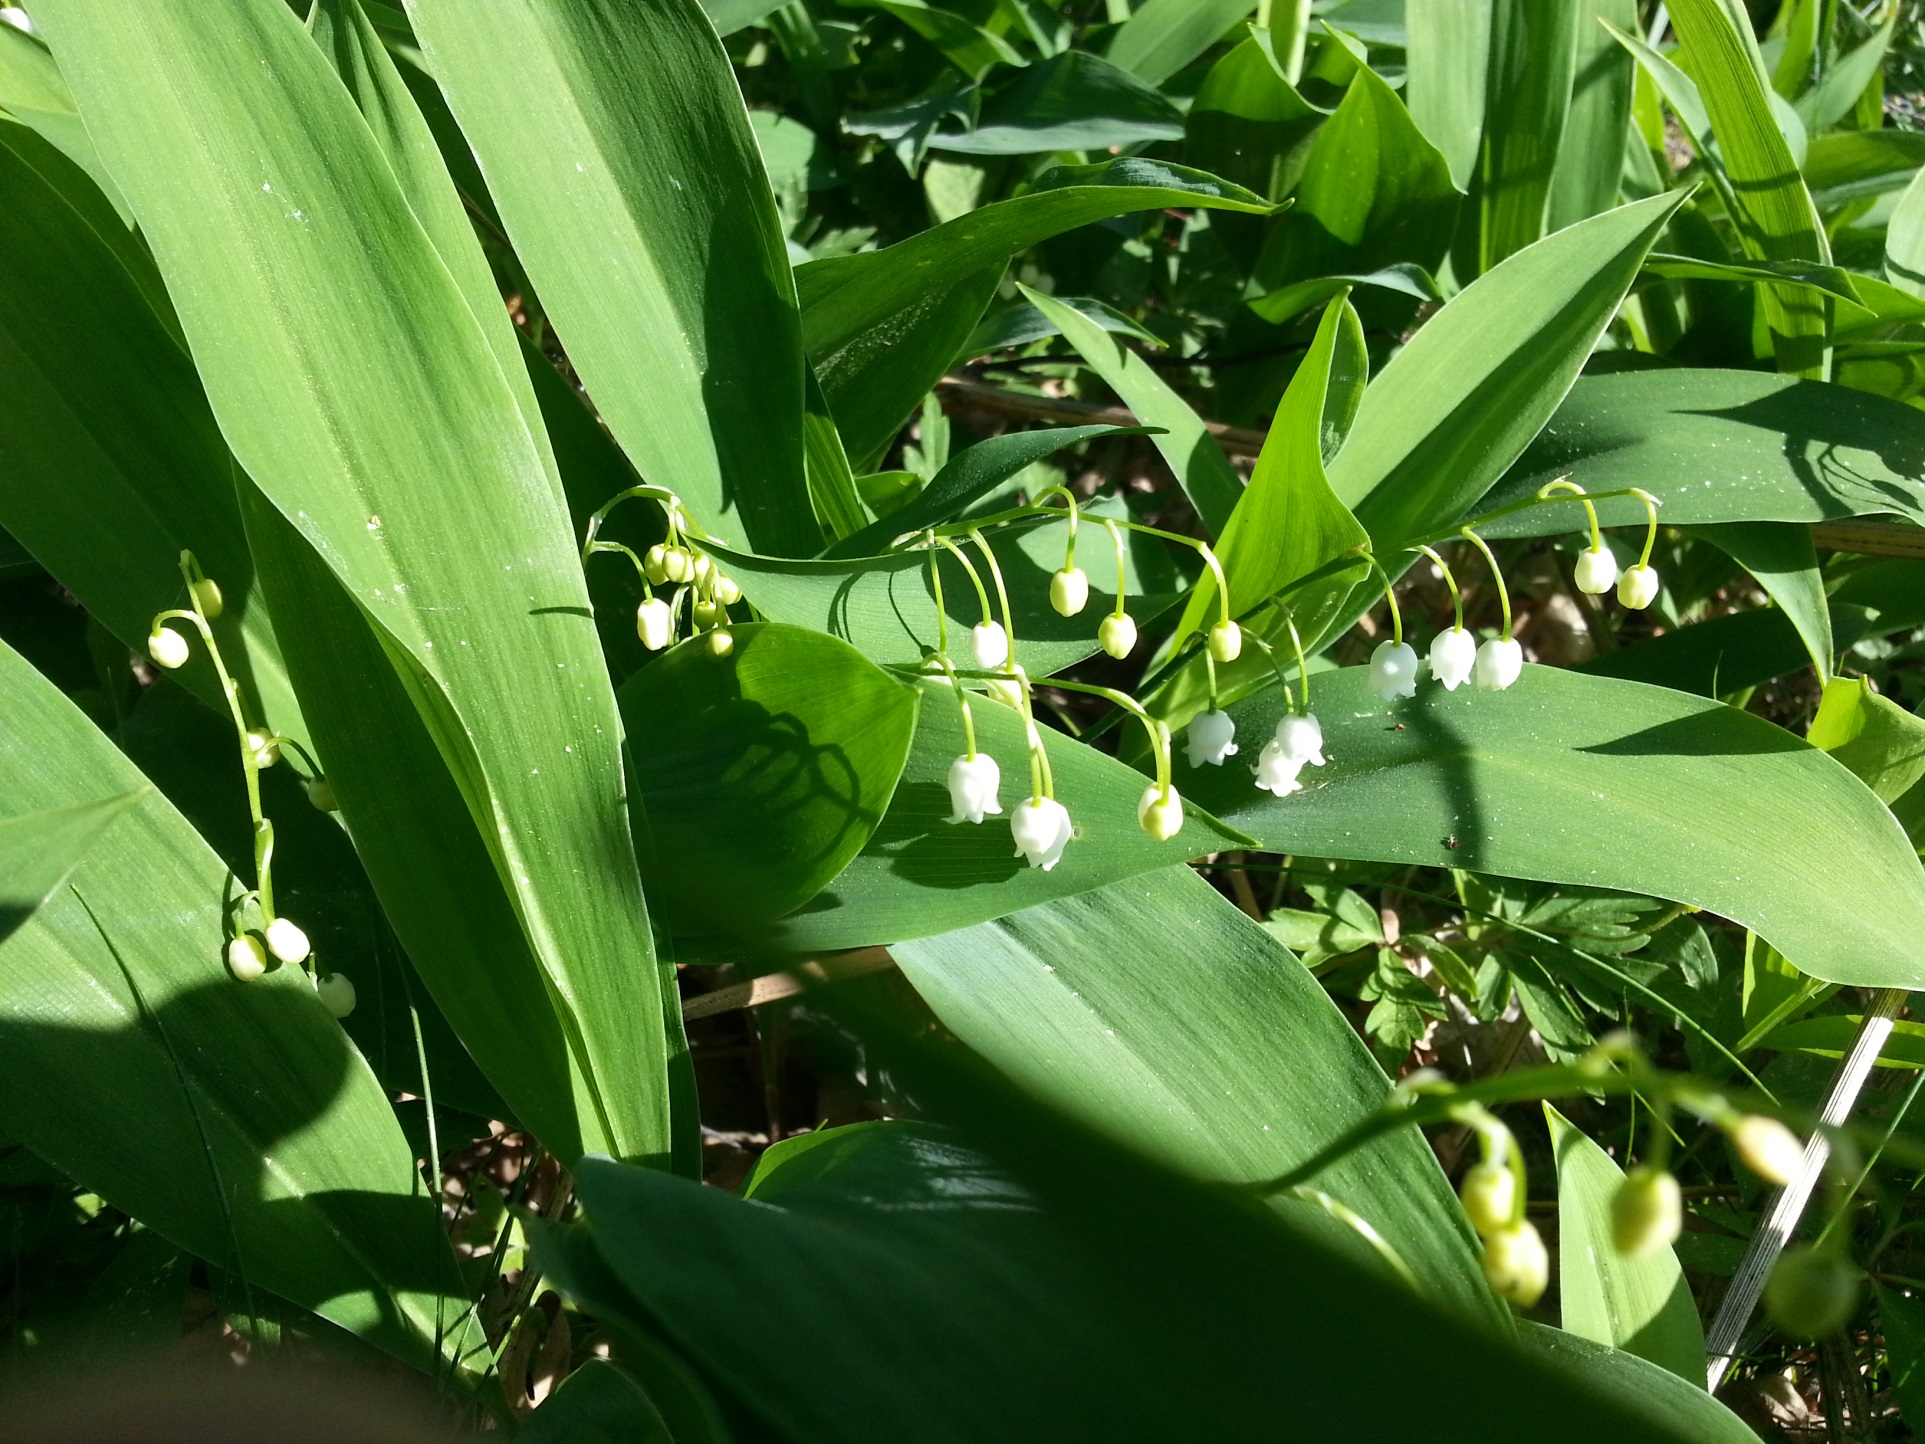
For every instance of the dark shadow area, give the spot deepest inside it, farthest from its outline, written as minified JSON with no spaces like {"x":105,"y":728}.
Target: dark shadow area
{"x":1716,"y":733}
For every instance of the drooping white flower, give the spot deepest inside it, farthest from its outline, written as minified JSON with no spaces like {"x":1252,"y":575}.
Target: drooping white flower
{"x":1160,"y":812}
{"x":679,"y":564}
{"x":286,"y":941}
{"x":1597,"y":569}
{"x":1393,"y":670}
{"x":972,"y":787}
{"x":263,"y":748}
{"x":1300,"y":735}
{"x":989,"y":645}
{"x":1210,"y":738}
{"x":1647,"y":1212}
{"x":721,"y":642}
{"x":655,"y":564}
{"x":655,"y":624}
{"x":336,"y":994}
{"x":1499,"y":663}
{"x":1452,"y":655}
{"x":1226,"y":641}
{"x":167,"y":647}
{"x":1768,"y":1148}
{"x":727,"y":592}
{"x":1069,"y":591}
{"x":207,"y":595}
{"x":1517,"y":1265}
{"x":1041,"y":827}
{"x":1006,"y":690}
{"x":246,"y":958}
{"x":1117,"y":635}
{"x":1277,"y":770}
{"x":1638,"y":587}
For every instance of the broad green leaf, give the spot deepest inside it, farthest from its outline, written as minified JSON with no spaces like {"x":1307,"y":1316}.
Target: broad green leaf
{"x":1640,"y":1305}
{"x":1882,"y":743}
{"x":1717,"y":446}
{"x":1249,"y":125}
{"x":234,"y":1119}
{"x":1454,"y":408}
{"x":597,"y":1404}
{"x":616,"y":144}
{"x":1527,"y":95}
{"x":832,"y":485}
{"x":921,"y":874}
{"x":1849,"y":165}
{"x":1447,"y":61}
{"x":1827,"y":281}
{"x":729,"y":16}
{"x":1073,"y":101}
{"x":1590,"y":156}
{"x":1563,"y":777}
{"x":38,"y":852}
{"x":1775,"y":216}
{"x":351,"y":381}
{"x":970,"y":474}
{"x":1905,"y":241}
{"x":1288,"y":302}
{"x":33,"y":93}
{"x":1903,"y":1317}
{"x":1095,"y":1004}
{"x":1201,"y":468}
{"x":1019,"y":323}
{"x":1780,"y":556}
{"x":1845,"y":79}
{"x":111,"y":463}
{"x":757,"y":776}
{"x":1636,"y":1383}
{"x":1831,"y":1037}
{"x":1288,"y":523}
{"x":971,"y":49}
{"x":1163,"y":36}
{"x":1374,"y":193}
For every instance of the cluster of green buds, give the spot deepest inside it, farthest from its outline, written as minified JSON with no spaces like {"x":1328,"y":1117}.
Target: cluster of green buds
{"x":249,"y":950}
{"x":1597,"y":571}
{"x":677,"y":561}
{"x":1516,"y":1263}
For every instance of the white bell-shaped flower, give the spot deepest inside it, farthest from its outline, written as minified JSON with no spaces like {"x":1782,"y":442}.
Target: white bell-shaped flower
{"x":1117,"y":635}
{"x":1160,"y":812}
{"x":727,"y":592}
{"x":1393,"y":670}
{"x":679,"y":564}
{"x":246,"y":958}
{"x":1210,"y":738}
{"x":1300,"y":735}
{"x":1452,"y":655}
{"x":655,"y":624}
{"x":1226,"y":641}
{"x":655,"y":564}
{"x":1597,"y":570}
{"x":721,"y":642}
{"x":167,"y":647}
{"x":989,"y":645}
{"x":1638,"y":587}
{"x":1277,"y":770}
{"x":336,"y":994}
{"x":972,"y":787}
{"x":1069,"y":591}
{"x":1041,"y":827}
{"x":1006,"y":690}
{"x":1500,"y":662}
{"x":286,"y":941}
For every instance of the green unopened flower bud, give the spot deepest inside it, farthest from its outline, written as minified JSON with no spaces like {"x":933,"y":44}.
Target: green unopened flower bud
{"x":207,"y":596}
{"x":336,"y":994}
{"x":1810,"y":1293}
{"x":1597,"y":570}
{"x":709,"y":614}
{"x":726,"y":591}
{"x":1226,"y":641}
{"x":263,"y":748}
{"x":655,"y":564}
{"x":1069,"y":591}
{"x":320,"y":792}
{"x":1768,"y":1148}
{"x":678,"y":564}
{"x":1117,"y":635}
{"x":1638,"y":587}
{"x":704,"y":568}
{"x":246,"y":958}
{"x":1647,"y":1212}
{"x":167,"y":647}
{"x":286,"y":941}
{"x":1160,"y":812}
{"x":1490,"y":1198}
{"x":720,"y":642}
{"x":1516,"y":1264}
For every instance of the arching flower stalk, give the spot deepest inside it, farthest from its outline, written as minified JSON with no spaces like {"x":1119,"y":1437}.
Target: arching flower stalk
{"x":1452,"y":653}
{"x":1597,"y":566}
{"x":1160,"y":810}
{"x":1069,"y":587}
{"x":1638,"y":587}
{"x":1117,"y":635}
{"x":1500,"y":661}
{"x":1393,"y":665}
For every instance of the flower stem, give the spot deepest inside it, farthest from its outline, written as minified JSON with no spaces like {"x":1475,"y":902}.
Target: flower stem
{"x":1069,"y":500}
{"x":970,"y":567}
{"x":1456,"y":597}
{"x":942,"y":613}
{"x":1396,"y":617}
{"x":1159,"y":734}
{"x":1497,"y":575}
{"x":962,"y":700}
{"x":1002,"y":594}
{"x":1565,"y":484}
{"x":1651,"y":505}
{"x":1116,"y":539}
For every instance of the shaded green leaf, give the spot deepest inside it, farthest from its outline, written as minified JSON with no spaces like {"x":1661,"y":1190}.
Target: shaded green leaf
{"x":39,"y":851}
{"x":1072,"y":101}
{"x":597,"y":1404}
{"x":1163,"y":36}
{"x":1636,"y":1383}
{"x":1527,"y":95}
{"x":1882,"y":743}
{"x":1590,"y":158}
{"x":1781,"y":558}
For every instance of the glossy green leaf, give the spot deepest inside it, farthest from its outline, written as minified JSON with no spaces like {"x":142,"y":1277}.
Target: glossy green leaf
{"x":1590,"y":158}
{"x":111,"y":460}
{"x":832,"y":484}
{"x":1635,"y":1383}
{"x":1288,"y":302}
{"x":757,"y":776}
{"x":1882,"y":743}
{"x":1288,"y":523}
{"x":921,"y":874}
{"x":1163,"y":36}
{"x":38,"y":852}
{"x":1020,"y":323}
{"x":1447,"y":60}
{"x":1527,"y":95}
{"x":1096,"y":1004}
{"x":352,"y":380}
{"x":236,"y":1120}
{"x":33,"y":93}
{"x":615,"y":142}
{"x":1562,"y":779}
{"x":1374,"y":193}
{"x":970,"y":48}
{"x":1844,"y":81}
{"x":1905,"y":241}
{"x":1072,"y":101}
{"x":1454,"y":408}
{"x":597,"y":1404}
{"x":1640,"y":1305}
{"x":1849,"y":165}
{"x":1903,"y":1317}
{"x":1779,"y":555}
{"x":729,"y":16}
{"x":968,"y":475}
{"x":1716,"y":446}
{"x":1201,"y":468}
{"x":1775,"y":215}
{"x":1825,"y":280}
{"x":1831,"y":1036}
{"x":1249,"y":125}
